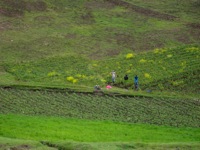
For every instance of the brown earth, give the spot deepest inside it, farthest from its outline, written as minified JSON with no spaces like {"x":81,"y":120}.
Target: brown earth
{"x":100,"y":53}
{"x":6,"y":25}
{"x":12,"y":8}
{"x":126,"y":40}
{"x":144,"y":11}
{"x":44,"y":18}
{"x":97,"y":4}
{"x":70,"y":36}
{"x":153,"y":39}
{"x":20,"y":147}
{"x":193,"y":25}
{"x":194,"y":30}
{"x":87,"y":18}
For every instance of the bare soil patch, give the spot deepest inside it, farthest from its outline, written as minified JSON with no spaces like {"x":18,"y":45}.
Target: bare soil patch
{"x":71,"y":36}
{"x":43,"y":18}
{"x":144,"y":11}
{"x":21,"y":147}
{"x":11,"y":13}
{"x":156,"y":39}
{"x":195,"y":34}
{"x":6,"y":25}
{"x":194,"y":25}
{"x":87,"y":18}
{"x":13,"y":8}
{"x":36,"y":6}
{"x":99,"y":54}
{"x":97,"y":4}
{"x":125,"y":39}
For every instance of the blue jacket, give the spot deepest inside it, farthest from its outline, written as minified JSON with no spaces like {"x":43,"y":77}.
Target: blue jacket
{"x":136,"y":79}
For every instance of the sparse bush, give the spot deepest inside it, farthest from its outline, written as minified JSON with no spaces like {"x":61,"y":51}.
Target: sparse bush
{"x":146,"y":75}
{"x":72,"y":79}
{"x":142,"y":60}
{"x":52,"y":74}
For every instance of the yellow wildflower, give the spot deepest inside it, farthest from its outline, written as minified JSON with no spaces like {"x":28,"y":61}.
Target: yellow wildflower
{"x":103,"y":80}
{"x":70,"y":78}
{"x":146,"y":75}
{"x":53,"y":73}
{"x":129,"y":56}
{"x":74,"y":80}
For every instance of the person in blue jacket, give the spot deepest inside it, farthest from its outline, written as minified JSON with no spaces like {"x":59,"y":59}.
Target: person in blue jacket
{"x":136,"y":82}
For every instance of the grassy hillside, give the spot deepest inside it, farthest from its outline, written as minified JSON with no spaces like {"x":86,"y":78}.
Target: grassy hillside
{"x":173,"y":70}
{"x":58,"y":129}
{"x":56,"y":118}
{"x":53,"y":52}
{"x":158,"y":111}
{"x":48,"y":41}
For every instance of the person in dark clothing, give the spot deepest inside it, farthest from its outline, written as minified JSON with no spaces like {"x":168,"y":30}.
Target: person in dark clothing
{"x":97,"y":88}
{"x":126,"y":77}
{"x":125,"y":80}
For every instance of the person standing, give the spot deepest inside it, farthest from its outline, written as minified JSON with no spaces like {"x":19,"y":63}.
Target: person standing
{"x":125,"y":80}
{"x":113,"y":73}
{"x":126,"y":77}
{"x":136,"y":82}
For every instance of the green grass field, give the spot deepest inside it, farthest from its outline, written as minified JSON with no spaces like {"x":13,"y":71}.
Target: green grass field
{"x":53,"y":53}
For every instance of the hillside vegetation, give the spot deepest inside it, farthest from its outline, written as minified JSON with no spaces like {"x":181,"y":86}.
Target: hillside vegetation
{"x":157,"y":111}
{"x":53,"y":53}
{"x":52,"y":40}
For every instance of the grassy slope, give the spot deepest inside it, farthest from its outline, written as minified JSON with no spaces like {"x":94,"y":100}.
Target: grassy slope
{"x":34,"y":110}
{"x":60,"y":129}
{"x":57,"y":30}
{"x":181,"y":112}
{"x":172,"y":70}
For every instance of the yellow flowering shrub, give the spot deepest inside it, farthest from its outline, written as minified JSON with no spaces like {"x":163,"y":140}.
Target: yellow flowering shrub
{"x":78,"y":75}
{"x":74,"y":80}
{"x":159,"y":51}
{"x":103,"y":80}
{"x":128,"y":71}
{"x":130,"y":55}
{"x":192,"y":49}
{"x":142,"y":61}
{"x":53,"y":73}
{"x":146,"y":75}
{"x":70,"y":79}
